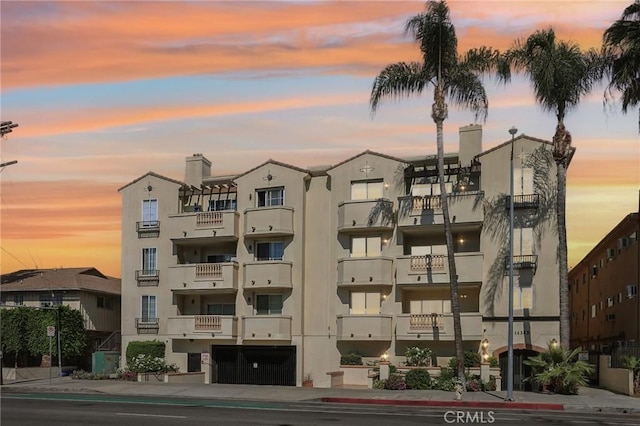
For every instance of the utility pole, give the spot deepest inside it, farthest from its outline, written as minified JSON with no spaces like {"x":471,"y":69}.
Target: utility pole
{"x":512,"y":132}
{"x":59,"y":346}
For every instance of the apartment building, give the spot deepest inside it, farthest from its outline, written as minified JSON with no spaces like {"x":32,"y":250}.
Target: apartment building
{"x":273,"y":274}
{"x":605,"y":308}
{"x":95,"y":295}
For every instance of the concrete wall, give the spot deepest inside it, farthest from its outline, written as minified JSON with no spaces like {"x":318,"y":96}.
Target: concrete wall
{"x":618,"y":380}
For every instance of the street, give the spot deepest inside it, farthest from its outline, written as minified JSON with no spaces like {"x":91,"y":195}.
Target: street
{"x":96,"y":410}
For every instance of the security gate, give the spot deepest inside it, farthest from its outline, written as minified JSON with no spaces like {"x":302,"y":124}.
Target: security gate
{"x":594,"y":376}
{"x":255,"y":365}
{"x":521,"y":371}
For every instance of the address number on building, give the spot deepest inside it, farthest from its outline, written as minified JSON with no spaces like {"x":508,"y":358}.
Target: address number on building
{"x":521,"y":333}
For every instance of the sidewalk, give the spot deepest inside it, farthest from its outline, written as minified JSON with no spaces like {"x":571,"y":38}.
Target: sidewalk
{"x":589,"y":399}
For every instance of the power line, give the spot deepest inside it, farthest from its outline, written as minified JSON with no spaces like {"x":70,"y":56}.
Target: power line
{"x":6,"y":251}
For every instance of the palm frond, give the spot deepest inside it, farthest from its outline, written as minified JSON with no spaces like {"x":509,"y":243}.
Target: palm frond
{"x":396,"y":81}
{"x":467,"y":91}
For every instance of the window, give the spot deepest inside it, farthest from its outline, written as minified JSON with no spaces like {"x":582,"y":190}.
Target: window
{"x":269,"y":304}
{"x":609,"y":302}
{"x":430,"y":306}
{"x":611,"y":253}
{"x":50,"y":299}
{"x":522,"y":298}
{"x":523,"y":180}
{"x":366,"y":246}
{"x":270,"y":197}
{"x":583,"y":314}
{"x":149,"y":212}
{"x":149,"y":259}
{"x":219,"y":205}
{"x":594,"y":271}
{"x":104,"y":302}
{"x":148,"y":308}
{"x":221,"y":309}
{"x":362,"y":303}
{"x":593,"y":311}
{"x":584,"y":278}
{"x":273,"y":250}
{"x":632,"y":291}
{"x":18,"y":299}
{"x":366,"y":190}
{"x":522,"y":241}
{"x":100,"y":302}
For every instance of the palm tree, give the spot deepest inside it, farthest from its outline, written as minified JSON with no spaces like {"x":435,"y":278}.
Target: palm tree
{"x":622,"y":44}
{"x":452,"y":76}
{"x":561,"y":75}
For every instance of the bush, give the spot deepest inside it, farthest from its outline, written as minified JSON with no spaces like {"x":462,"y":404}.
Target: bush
{"x":148,"y":364}
{"x":493,"y":362}
{"x":378,"y":384}
{"x":445,"y":383}
{"x":474,"y":384}
{"x":418,"y":357}
{"x":351,"y":359}
{"x":395,"y":382}
{"x":559,"y":370}
{"x":151,"y":348}
{"x":418,"y":379}
{"x":86,"y":375}
{"x":490,"y":385}
{"x":471,"y":359}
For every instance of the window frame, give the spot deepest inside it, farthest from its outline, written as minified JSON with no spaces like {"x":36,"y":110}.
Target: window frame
{"x":367,"y":243}
{"x":144,"y":316}
{"x":147,"y":217}
{"x":367,"y":183}
{"x":269,"y":310}
{"x":269,"y":258}
{"x":269,"y":201}
{"x":148,"y":260}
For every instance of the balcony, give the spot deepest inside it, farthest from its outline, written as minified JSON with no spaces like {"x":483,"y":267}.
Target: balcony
{"x":148,"y":229}
{"x":271,"y":274}
{"x":147,"y":325}
{"x":204,"y":227}
{"x":364,"y":327}
{"x":204,"y":277}
{"x":464,"y":207}
{"x":435,"y":326}
{"x":365,"y":215}
{"x":529,"y":201}
{"x":413,"y":271}
{"x":203,"y":326}
{"x":365,"y":271}
{"x":273,"y":221}
{"x":266,"y":327}
{"x":148,"y":277}
{"x":522,"y":262}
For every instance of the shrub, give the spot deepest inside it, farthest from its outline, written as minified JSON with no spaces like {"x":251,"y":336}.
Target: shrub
{"x":559,"y":370}
{"x":493,"y":362}
{"x":86,"y":375}
{"x":378,"y":384}
{"x":351,"y":359}
{"x":418,"y":379}
{"x":490,"y":385}
{"x":474,"y":384}
{"x":148,"y":364}
{"x":151,"y":348}
{"x":471,"y":359}
{"x":418,"y":357}
{"x":445,"y":383}
{"x":395,"y":382}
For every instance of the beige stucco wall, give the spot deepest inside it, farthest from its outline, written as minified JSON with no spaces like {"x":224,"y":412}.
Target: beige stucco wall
{"x":619,"y":380}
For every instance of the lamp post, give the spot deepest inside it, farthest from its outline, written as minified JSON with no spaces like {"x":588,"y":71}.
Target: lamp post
{"x":512,"y":132}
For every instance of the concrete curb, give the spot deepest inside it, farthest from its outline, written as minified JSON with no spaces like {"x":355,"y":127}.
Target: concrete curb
{"x":466,"y":404}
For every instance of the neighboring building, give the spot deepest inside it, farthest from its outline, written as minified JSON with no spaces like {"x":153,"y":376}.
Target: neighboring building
{"x":95,"y":295}
{"x":604,"y":290}
{"x":278,"y":271}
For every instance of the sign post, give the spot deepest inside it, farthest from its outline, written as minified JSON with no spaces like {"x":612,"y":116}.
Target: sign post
{"x":51,"y":331}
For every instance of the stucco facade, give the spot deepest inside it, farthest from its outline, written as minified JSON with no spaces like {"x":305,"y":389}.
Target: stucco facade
{"x":326,"y":261}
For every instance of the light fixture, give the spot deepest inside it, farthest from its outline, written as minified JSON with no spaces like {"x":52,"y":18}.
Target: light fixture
{"x":461,"y":240}
{"x":384,"y":357}
{"x":554,"y":343}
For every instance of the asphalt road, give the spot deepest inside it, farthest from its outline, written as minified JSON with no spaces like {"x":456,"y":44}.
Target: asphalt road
{"x":96,"y":410}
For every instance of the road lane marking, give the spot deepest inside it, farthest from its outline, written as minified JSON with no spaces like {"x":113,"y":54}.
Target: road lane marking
{"x":151,"y":415}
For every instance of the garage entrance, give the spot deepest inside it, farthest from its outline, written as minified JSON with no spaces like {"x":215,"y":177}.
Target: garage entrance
{"x":254,"y":365}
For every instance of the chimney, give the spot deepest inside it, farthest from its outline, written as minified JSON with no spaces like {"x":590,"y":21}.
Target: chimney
{"x":198,"y":167}
{"x":470,"y":143}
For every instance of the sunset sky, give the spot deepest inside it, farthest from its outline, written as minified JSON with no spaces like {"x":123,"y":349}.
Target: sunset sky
{"x":106,"y":91}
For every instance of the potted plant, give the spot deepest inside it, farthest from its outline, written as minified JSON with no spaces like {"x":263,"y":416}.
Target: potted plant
{"x":307,"y":382}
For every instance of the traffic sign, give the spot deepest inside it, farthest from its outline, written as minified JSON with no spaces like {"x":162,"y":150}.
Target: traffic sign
{"x":51,"y":331}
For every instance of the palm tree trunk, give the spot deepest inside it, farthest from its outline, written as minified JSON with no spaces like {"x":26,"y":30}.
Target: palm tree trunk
{"x":561,"y":149}
{"x":439,"y":114}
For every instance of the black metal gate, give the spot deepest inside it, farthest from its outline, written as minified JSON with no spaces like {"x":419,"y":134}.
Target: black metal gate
{"x":594,"y":360}
{"x":255,"y":365}
{"x":521,"y":371}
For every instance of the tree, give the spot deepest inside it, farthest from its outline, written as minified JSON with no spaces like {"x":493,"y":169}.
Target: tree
{"x":452,"y":76}
{"x":14,"y":326}
{"x":561,"y":75}
{"x":622,"y":46}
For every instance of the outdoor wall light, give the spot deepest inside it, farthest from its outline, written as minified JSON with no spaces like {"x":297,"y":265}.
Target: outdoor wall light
{"x":384,"y":357}
{"x":554,"y":343}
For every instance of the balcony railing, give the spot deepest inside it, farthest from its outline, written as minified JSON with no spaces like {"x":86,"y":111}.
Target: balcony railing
{"x":419,"y":210}
{"x":148,"y":228}
{"x":522,"y":262}
{"x":206,"y":219}
{"x":208,"y":323}
{"x":426,"y":322}
{"x":529,"y":201}
{"x":432,"y":202}
{"x":147,"y":325}
{"x":148,"y":277}
{"x":434,"y":262}
{"x":208,"y":270}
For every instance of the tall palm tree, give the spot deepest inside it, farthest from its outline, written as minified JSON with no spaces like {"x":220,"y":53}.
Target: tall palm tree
{"x":622,"y":43}
{"x":451,"y":76}
{"x":561,"y":75}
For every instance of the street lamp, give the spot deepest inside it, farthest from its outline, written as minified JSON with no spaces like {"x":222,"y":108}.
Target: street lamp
{"x":512,"y":132}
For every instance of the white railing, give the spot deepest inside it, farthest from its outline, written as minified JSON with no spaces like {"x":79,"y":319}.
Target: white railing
{"x":208,"y":322}
{"x":426,"y":321}
{"x":208,"y":218}
{"x":428,"y":202}
{"x":428,"y":262}
{"x":208,"y":270}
